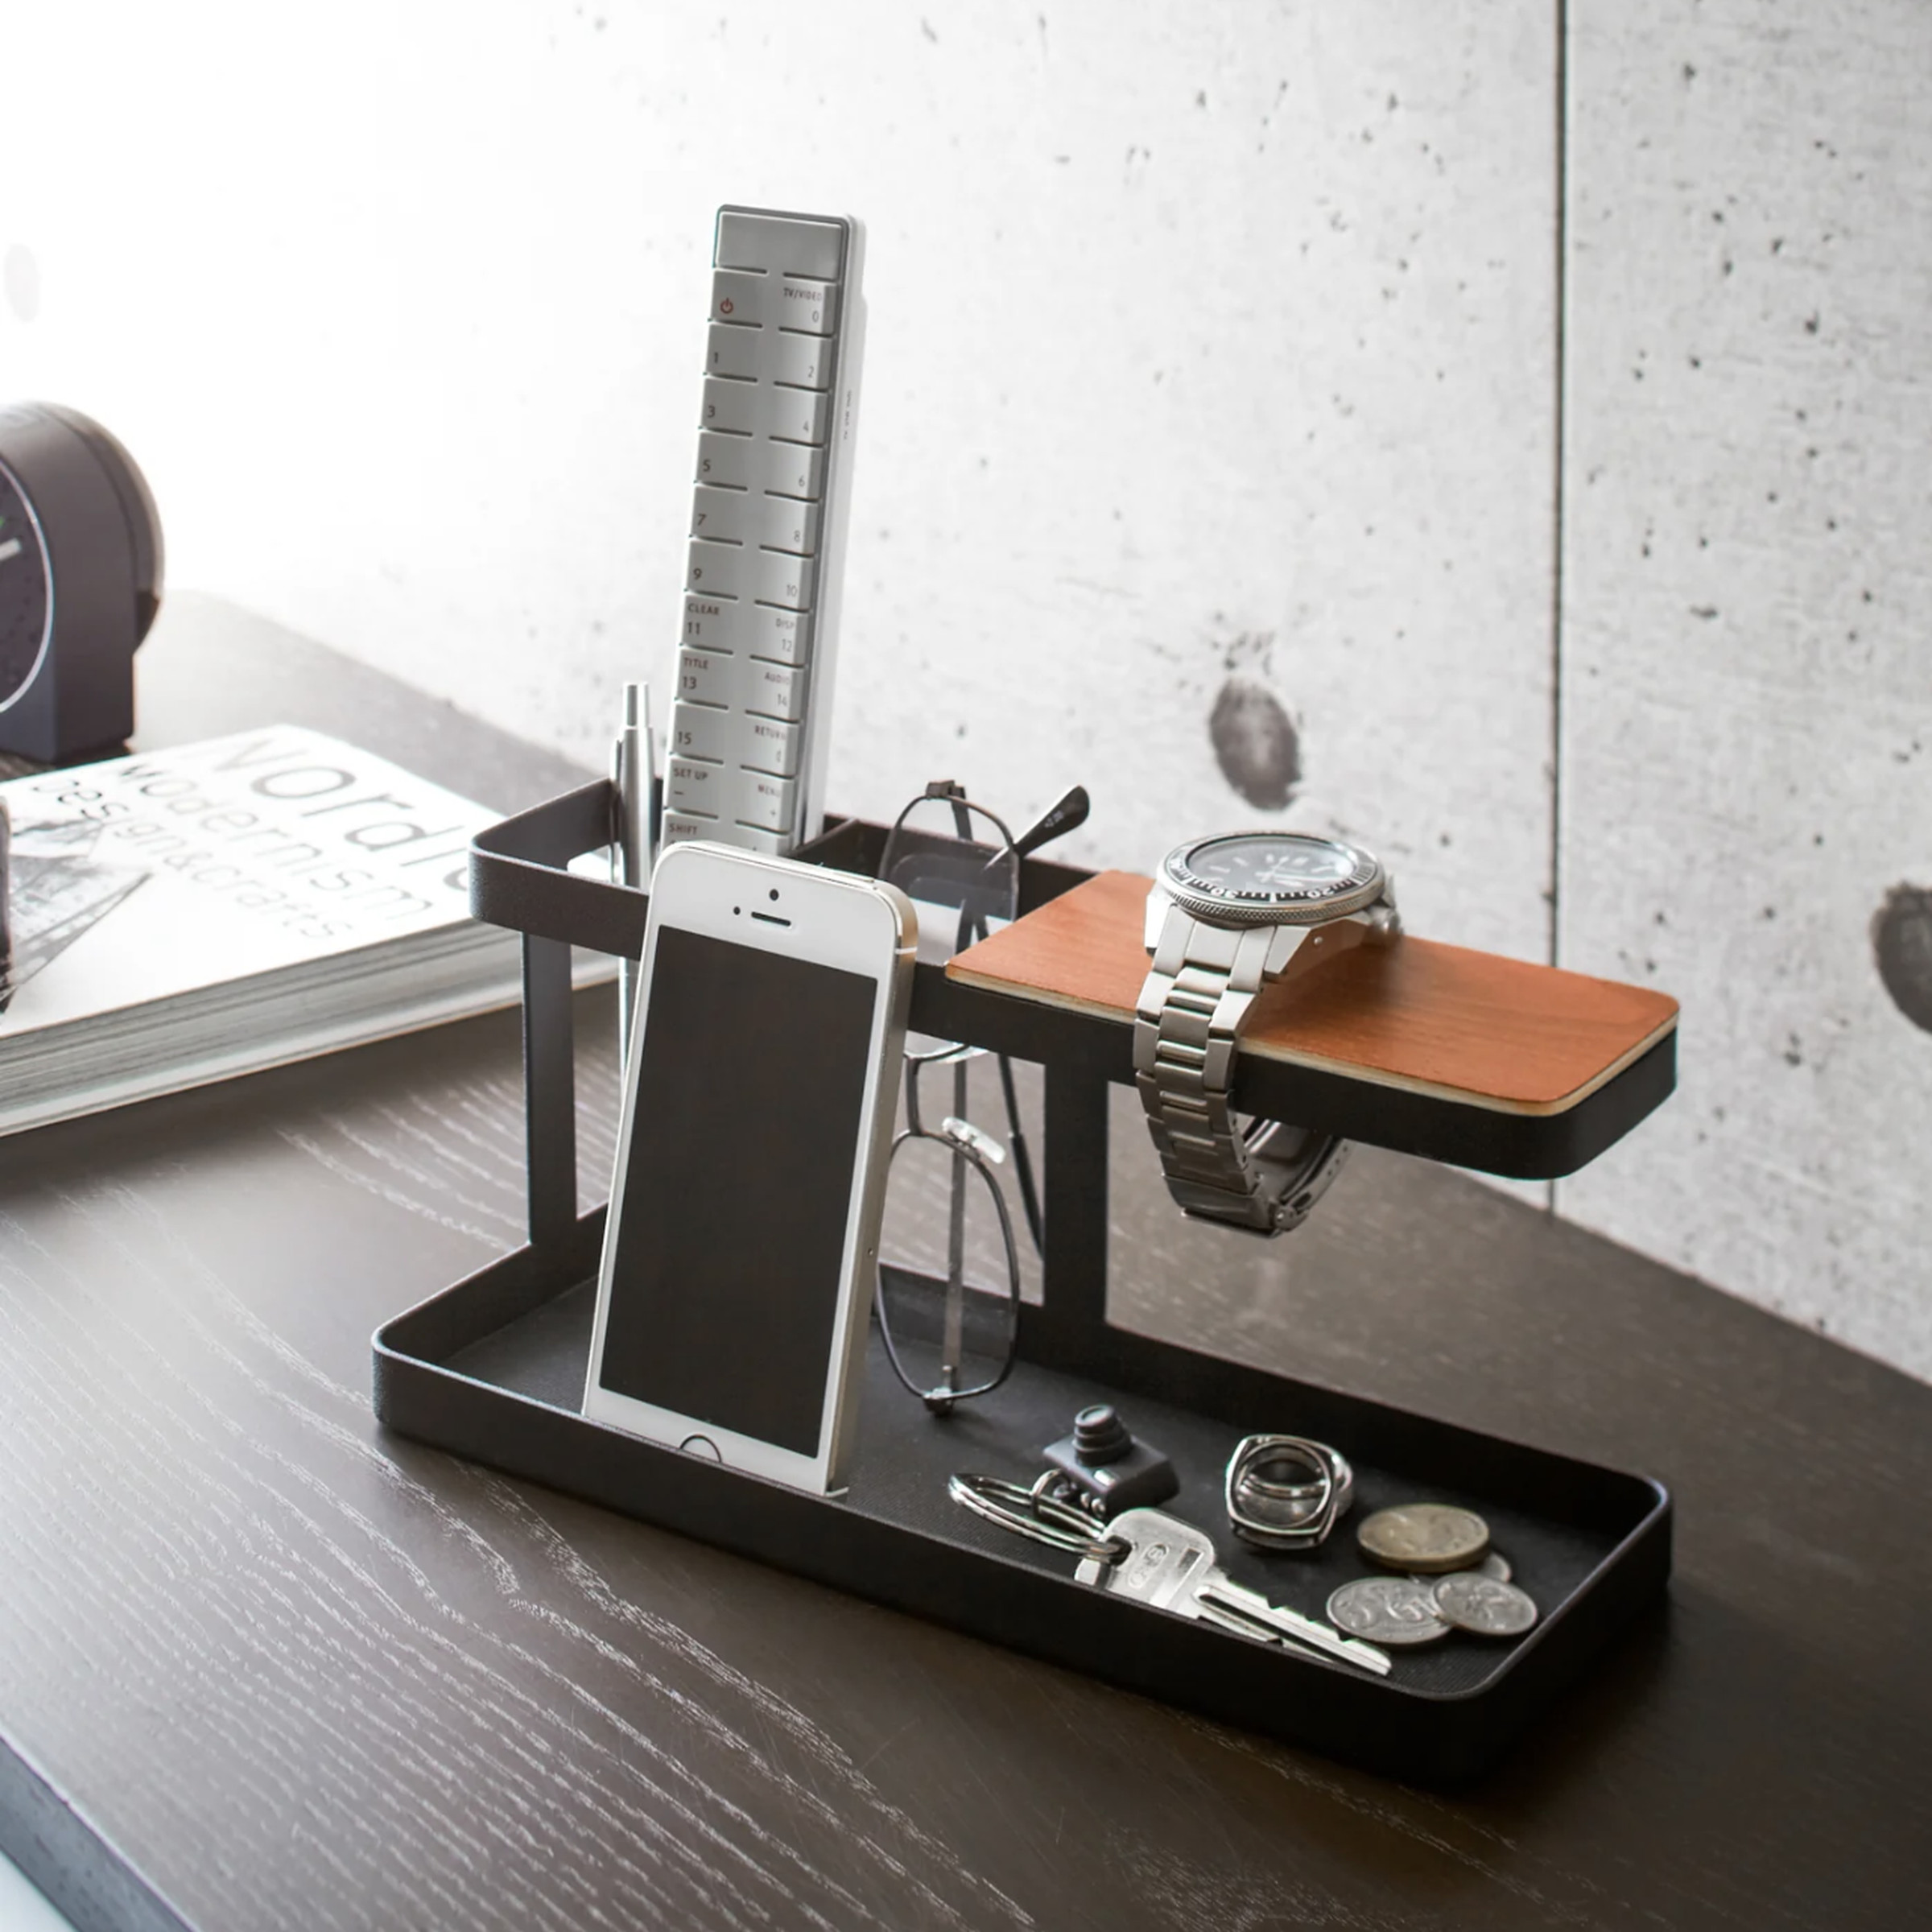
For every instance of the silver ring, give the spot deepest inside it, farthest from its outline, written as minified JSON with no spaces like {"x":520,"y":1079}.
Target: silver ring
{"x":1041,"y":1518}
{"x":1286,"y":1515}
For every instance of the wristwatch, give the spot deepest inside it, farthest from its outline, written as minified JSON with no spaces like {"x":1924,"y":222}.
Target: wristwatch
{"x":1224,"y":917}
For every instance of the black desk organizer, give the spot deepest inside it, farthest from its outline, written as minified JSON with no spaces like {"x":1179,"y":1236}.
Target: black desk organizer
{"x":492,"y":1369}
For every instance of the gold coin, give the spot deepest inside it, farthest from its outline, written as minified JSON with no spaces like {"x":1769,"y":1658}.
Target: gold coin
{"x":1428,"y":1538}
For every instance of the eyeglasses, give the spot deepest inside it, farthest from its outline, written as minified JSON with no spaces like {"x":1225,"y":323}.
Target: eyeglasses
{"x":961,"y":865}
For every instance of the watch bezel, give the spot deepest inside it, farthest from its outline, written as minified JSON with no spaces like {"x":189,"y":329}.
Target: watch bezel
{"x":1289,"y":906}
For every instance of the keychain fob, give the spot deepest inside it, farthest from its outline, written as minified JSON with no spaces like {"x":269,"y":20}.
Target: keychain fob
{"x":1109,"y":1469}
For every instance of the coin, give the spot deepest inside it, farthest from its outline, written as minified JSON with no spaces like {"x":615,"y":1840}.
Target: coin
{"x":1431,"y":1538}
{"x":1495,"y":1565}
{"x":1472,"y":1601}
{"x":1387,"y":1610}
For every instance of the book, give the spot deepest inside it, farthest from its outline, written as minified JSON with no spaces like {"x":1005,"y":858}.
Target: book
{"x":183,"y":916}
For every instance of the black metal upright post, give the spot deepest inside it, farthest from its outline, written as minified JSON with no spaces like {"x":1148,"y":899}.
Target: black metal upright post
{"x":549,"y":1090}
{"x":1064,"y":1330}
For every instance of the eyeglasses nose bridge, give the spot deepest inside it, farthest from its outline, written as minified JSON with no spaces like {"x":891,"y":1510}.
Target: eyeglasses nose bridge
{"x":965,"y":1135}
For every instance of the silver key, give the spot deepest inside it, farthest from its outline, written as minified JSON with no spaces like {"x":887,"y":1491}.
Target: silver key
{"x":1171,"y":1566}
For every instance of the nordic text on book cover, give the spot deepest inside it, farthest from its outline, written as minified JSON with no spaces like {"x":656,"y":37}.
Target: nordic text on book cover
{"x":167,"y":871}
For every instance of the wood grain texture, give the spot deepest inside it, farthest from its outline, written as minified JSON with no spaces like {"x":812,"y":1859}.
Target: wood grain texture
{"x":1747,"y":752}
{"x":1493,"y":1032}
{"x":285,"y":1670}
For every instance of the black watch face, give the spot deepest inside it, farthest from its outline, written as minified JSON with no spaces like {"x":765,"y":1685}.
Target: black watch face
{"x":1264,"y":868}
{"x":22,"y":592}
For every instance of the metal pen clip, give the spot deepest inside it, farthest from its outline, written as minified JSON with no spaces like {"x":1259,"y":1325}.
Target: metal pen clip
{"x":633,"y":775}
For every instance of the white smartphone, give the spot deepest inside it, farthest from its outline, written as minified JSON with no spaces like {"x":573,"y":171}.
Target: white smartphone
{"x":736,"y":1280}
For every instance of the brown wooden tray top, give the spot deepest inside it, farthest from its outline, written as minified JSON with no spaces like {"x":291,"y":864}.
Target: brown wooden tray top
{"x":1489,"y":1031}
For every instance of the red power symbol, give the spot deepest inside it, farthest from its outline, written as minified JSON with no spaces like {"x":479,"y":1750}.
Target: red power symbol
{"x":724,"y":307}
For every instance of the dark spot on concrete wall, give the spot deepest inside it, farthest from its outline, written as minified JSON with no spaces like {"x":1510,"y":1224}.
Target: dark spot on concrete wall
{"x":1255,"y":744}
{"x":20,"y":279}
{"x":1901,"y":942}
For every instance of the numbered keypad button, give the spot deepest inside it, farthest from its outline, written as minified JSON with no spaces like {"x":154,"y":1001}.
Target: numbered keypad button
{"x":804,"y":361}
{"x":736,"y":409}
{"x":737,"y":353}
{"x":719,"y":570}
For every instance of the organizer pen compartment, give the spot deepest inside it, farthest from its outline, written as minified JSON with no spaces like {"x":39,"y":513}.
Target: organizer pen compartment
{"x":493,"y":1369}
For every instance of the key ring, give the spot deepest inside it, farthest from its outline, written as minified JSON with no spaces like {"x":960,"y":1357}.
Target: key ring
{"x":1043,"y":1518}
{"x":1293,"y":1515}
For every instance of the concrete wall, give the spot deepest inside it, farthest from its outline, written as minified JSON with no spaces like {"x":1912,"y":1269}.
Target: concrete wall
{"x":1747,"y":691}
{"x":1210,"y":448}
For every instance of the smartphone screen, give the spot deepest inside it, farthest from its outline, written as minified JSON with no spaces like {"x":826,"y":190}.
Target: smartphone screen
{"x":724,"y":1283}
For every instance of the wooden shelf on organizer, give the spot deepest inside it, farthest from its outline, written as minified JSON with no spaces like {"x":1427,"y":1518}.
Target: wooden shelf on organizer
{"x":1462,"y":1056}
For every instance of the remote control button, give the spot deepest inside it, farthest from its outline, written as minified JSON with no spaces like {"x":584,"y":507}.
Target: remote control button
{"x":749,"y":630}
{"x":742,"y":409}
{"x":720,"y":515}
{"x":704,"y":677}
{"x":792,"y":469}
{"x":783,"y":634}
{"x":769,"y":802}
{"x":799,"y":415}
{"x":698,"y":731}
{"x":737,"y":299}
{"x":775,"y":690}
{"x":730,"y":462}
{"x":805,"y":361}
{"x":719,"y":570}
{"x":768,"y":745}
{"x":685,"y":825}
{"x":708,"y":624}
{"x":787,"y":523}
{"x":810,"y":306}
{"x":779,"y":245}
{"x":777,"y":577}
{"x":738,"y":352}
{"x":692,"y":785}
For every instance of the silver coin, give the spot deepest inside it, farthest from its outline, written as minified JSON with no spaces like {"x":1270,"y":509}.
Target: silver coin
{"x":1494,"y":1565}
{"x":1474,"y":1602}
{"x":1431,"y":1538}
{"x":1387,"y":1610}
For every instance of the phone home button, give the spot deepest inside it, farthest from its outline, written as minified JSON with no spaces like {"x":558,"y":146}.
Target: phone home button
{"x":701,"y":1445}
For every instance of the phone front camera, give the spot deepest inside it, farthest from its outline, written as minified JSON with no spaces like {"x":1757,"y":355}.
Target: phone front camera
{"x":774,"y":892}
{"x":736,"y":910}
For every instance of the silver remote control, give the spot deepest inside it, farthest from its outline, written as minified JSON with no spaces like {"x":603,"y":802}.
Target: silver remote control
{"x":746,"y":756}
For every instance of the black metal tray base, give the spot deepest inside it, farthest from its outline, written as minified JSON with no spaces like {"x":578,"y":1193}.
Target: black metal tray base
{"x":493,"y":1369}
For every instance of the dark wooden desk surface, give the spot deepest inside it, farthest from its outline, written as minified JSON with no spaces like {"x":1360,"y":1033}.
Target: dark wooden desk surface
{"x":262,"y":1666}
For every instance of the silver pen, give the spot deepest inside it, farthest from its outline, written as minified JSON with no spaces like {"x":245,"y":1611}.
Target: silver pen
{"x":633,"y":768}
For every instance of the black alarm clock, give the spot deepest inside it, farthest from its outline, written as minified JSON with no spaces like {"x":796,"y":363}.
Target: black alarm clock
{"x":79,"y":583}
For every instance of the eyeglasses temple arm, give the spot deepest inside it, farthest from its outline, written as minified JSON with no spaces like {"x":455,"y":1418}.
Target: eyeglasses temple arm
{"x":1067,"y":812}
